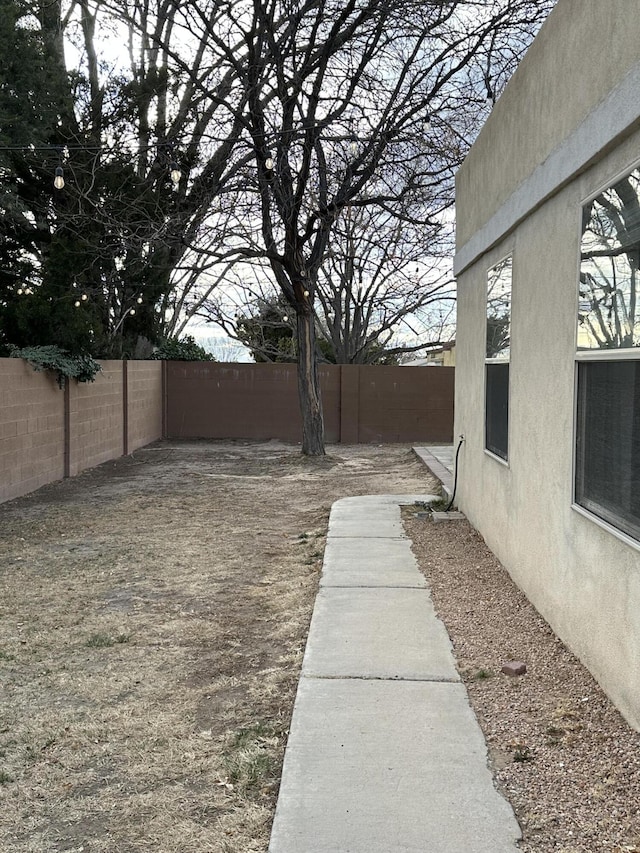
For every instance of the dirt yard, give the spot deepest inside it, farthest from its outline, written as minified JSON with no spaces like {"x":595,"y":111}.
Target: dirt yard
{"x":153,"y":616}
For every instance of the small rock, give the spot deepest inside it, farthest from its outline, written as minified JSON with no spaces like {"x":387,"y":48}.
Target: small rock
{"x":514,"y":667}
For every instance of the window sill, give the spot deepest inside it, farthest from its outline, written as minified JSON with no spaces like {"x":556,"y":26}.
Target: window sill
{"x":608,"y":354}
{"x":504,"y":462}
{"x":605,"y":525}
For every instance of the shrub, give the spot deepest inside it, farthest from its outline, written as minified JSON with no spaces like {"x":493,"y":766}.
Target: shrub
{"x":185,"y":349}
{"x":82,"y":367}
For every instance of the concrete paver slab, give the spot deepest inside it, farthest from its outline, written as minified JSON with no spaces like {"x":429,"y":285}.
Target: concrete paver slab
{"x":384,"y":500}
{"x":370,"y":562}
{"x":452,"y":515}
{"x":365,"y":512}
{"x":366,"y":528}
{"x":440,"y":461}
{"x":384,"y":767}
{"x":377,"y":633}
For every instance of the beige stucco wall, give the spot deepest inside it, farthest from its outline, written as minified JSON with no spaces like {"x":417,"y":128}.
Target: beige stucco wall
{"x":583,"y":579}
{"x":583,"y":50}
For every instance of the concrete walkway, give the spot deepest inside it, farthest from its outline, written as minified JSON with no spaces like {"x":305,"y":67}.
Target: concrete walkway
{"x":384,"y":753}
{"x":440,"y":461}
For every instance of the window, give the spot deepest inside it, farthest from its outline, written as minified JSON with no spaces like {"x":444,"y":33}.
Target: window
{"x":498,"y":343}
{"x":607,"y":480}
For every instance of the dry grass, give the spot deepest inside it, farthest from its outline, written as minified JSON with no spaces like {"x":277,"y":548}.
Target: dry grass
{"x":152,"y":623}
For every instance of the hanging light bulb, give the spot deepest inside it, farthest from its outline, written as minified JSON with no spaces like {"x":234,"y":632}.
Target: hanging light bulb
{"x":306,"y":293}
{"x":353,"y":146}
{"x":175,"y":174}
{"x":285,"y":318}
{"x":139,"y":300}
{"x":268,"y":164}
{"x":132,"y":311}
{"x":77,"y":303}
{"x":84,"y":297}
{"x":19,"y":291}
{"x":58,"y":180}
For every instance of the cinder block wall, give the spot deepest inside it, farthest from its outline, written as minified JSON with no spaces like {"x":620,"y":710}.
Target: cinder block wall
{"x":47,"y":434}
{"x":31,"y":429}
{"x":144,"y":395}
{"x":361,"y":403}
{"x":96,"y":419}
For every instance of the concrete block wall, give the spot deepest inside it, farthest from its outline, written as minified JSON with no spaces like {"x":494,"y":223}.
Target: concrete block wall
{"x":47,"y":434}
{"x":361,"y":403}
{"x":31,"y":429}
{"x":144,"y":395}
{"x":96,"y":418}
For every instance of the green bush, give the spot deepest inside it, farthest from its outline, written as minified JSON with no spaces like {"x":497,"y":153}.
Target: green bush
{"x":185,"y":349}
{"x":84,"y":368}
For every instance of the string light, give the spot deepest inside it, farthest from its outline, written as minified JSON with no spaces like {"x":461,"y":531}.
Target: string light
{"x":175,"y":174}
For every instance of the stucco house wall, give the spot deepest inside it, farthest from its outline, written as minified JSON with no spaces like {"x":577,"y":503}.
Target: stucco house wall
{"x":566,"y":126}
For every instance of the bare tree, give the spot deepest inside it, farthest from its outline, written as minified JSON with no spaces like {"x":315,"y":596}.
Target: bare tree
{"x":281,"y":116}
{"x":351,"y":106}
{"x":377,"y":285}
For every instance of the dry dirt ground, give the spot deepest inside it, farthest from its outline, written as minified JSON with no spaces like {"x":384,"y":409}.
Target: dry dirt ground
{"x":153,"y":615}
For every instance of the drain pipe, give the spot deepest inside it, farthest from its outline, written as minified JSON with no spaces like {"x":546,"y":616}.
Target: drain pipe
{"x":455,"y":476}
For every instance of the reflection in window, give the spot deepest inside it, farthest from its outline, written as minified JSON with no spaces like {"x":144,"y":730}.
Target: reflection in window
{"x":610,"y":253}
{"x":498,"y":344}
{"x":499,"y":310}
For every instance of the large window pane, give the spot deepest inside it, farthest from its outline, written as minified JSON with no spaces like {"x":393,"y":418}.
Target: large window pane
{"x":610,"y":252}
{"x":499,"y":310}
{"x":497,"y":408}
{"x":608,"y":442}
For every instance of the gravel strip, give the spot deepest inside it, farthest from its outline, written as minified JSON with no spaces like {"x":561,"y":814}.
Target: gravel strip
{"x":561,"y":753}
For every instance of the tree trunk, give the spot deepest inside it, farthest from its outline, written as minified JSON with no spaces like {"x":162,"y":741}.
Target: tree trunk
{"x":309,"y":385}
